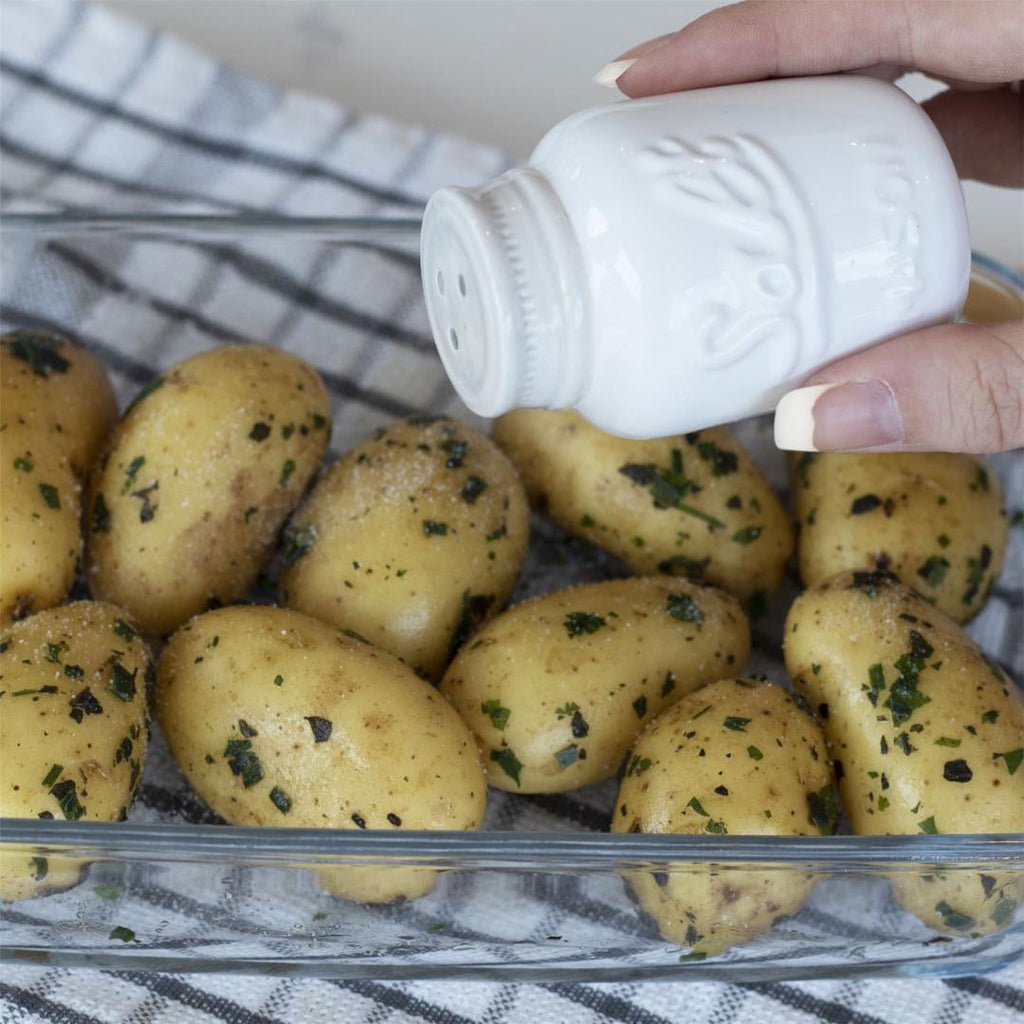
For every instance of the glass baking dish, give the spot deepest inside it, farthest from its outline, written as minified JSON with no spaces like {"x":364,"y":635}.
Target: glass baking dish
{"x":542,"y":892}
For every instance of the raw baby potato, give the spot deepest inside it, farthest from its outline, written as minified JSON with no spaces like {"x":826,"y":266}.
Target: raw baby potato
{"x":72,"y":727}
{"x":56,"y":407}
{"x":693,"y":505}
{"x":558,"y":687}
{"x":279,"y":719}
{"x":414,"y":539}
{"x":60,"y":392}
{"x":935,"y":519}
{"x":737,"y":757}
{"x":200,"y":475}
{"x":928,"y":730}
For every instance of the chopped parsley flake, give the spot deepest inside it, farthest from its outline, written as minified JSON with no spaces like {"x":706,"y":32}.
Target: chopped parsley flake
{"x":472,"y":489}
{"x":904,"y":697}
{"x":100,"y":514}
{"x":953,"y":919}
{"x":279,"y":680}
{"x":39,"y":350}
{"x":50,"y":495}
{"x":824,"y":809}
{"x":84,"y":703}
{"x":259,"y":432}
{"x":684,"y":608}
{"x":698,"y":807}
{"x":568,"y":755}
{"x":957,"y":771}
{"x":990,"y":717}
{"x":1012,"y":759}
{"x":432,"y":528}
{"x":286,"y":471}
{"x":669,"y":685}
{"x":865,"y":503}
{"x":947,"y":741}
{"x":748,"y":534}
{"x":508,"y":762}
{"x":933,"y":572}
{"x":243,"y":761}
{"x":722,"y":462}
{"x":131,"y":472}
{"x":754,"y":754}
{"x":24,"y":464}
{"x":321,"y":728}
{"x":296,"y":542}
{"x":122,"y":682}
{"x":280,"y":800}
{"x":67,"y":797}
{"x":976,"y":568}
{"x":928,"y":826}
{"x":736,"y":724}
{"x":53,"y":775}
{"x":122,"y":933}
{"x":498,"y":715}
{"x":123,"y":630}
{"x":640,"y":706}
{"x":580,"y":623}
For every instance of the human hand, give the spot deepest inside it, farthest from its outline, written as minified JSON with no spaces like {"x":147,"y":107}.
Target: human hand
{"x":952,"y":387}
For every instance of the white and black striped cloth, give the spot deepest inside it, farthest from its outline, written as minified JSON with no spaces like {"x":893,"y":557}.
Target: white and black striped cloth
{"x":98,"y":113}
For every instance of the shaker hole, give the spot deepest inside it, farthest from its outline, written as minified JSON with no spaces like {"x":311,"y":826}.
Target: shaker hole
{"x":453,"y":338}
{"x":462,"y":286}
{"x":440,"y":283}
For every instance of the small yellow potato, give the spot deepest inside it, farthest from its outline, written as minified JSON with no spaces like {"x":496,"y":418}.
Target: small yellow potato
{"x":935,"y":519}
{"x":693,"y":505}
{"x":72,"y":727}
{"x":198,"y":479}
{"x":60,"y":392}
{"x":558,"y":687}
{"x":736,"y":757}
{"x":414,"y":539}
{"x":56,"y":408}
{"x":40,"y":532}
{"x":928,"y":731}
{"x":278,"y":719}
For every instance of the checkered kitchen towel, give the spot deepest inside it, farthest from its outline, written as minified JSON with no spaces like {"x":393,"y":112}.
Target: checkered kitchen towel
{"x":99,"y":113}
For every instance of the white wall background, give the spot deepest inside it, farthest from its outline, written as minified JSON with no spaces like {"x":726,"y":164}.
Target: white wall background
{"x":501,"y":71}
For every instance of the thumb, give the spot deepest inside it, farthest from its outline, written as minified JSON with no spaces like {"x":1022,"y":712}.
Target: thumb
{"x":954,"y":388}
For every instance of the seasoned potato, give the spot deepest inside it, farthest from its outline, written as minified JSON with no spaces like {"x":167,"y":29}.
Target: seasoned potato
{"x":40,"y":535}
{"x":928,"y":730}
{"x":737,"y":757}
{"x":72,"y":727}
{"x":934,"y":519}
{"x":56,"y":407}
{"x":413,"y":540}
{"x":558,"y":687}
{"x":693,"y":506}
{"x":279,"y":719}
{"x":60,"y":392}
{"x":198,"y":479}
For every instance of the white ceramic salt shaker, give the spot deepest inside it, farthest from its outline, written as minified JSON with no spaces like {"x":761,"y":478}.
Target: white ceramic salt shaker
{"x":668,"y":264}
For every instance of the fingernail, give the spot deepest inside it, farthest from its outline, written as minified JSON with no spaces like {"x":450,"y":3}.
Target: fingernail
{"x":611,"y":73}
{"x":838,"y":417}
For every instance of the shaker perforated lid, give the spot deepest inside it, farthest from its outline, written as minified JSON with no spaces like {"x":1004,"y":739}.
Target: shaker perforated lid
{"x":504,"y":294}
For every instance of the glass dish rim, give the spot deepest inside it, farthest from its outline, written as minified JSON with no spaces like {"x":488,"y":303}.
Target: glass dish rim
{"x":597,"y":851}
{"x":323,"y":228}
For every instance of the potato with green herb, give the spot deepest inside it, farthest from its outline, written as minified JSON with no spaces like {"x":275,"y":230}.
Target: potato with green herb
{"x":73,"y":727}
{"x":736,"y":757}
{"x":935,"y":519}
{"x":413,"y":540}
{"x":199,"y":477}
{"x":928,"y":731}
{"x":278,"y":719}
{"x":558,"y":687}
{"x":693,"y":505}
{"x":56,"y":407}
{"x":58,"y":390}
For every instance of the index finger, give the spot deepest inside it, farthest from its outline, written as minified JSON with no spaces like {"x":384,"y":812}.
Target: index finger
{"x":981,"y":41}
